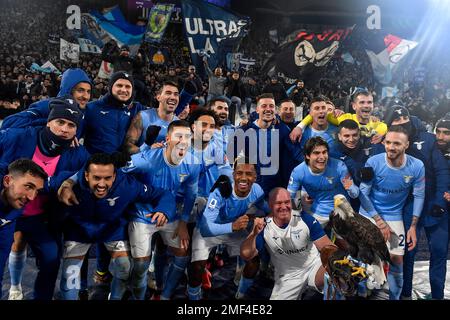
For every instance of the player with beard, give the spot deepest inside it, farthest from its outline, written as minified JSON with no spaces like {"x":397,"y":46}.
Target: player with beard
{"x":362,"y":103}
{"x":396,"y":176}
{"x":224,"y":128}
{"x":99,"y":215}
{"x":20,"y":185}
{"x":225,"y":221}
{"x":169,"y":169}
{"x":50,"y":147}
{"x":434,"y":217}
{"x":442,"y":131}
{"x":270,"y":135}
{"x":168,"y":98}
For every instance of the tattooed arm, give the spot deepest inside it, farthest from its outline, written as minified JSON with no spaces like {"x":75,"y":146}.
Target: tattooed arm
{"x":133,"y":134}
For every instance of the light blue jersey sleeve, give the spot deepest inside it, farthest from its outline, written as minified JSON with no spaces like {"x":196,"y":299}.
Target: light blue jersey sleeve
{"x":365,"y":190}
{"x":296,"y":180}
{"x":209,"y":227}
{"x":144,"y":161}
{"x":419,"y":190}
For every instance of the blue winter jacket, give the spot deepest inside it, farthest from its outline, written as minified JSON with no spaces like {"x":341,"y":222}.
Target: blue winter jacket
{"x":106,"y":124}
{"x":105,"y":219}
{"x":18,"y":143}
{"x":37,"y":113}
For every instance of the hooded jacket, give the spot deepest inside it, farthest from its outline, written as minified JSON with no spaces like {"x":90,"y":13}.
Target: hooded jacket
{"x":37,"y":113}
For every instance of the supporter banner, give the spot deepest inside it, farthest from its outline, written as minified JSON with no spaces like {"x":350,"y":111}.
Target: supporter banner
{"x":305,"y":53}
{"x":53,"y":38}
{"x":112,"y":24}
{"x":105,"y":71}
{"x":88,"y":46}
{"x":386,"y":63}
{"x":211,"y":31}
{"x":158,"y":56}
{"x":158,"y":21}
{"x":237,"y":61}
{"x":69,"y":51}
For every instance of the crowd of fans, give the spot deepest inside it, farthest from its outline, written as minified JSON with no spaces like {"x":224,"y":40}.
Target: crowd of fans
{"x":27,"y":41}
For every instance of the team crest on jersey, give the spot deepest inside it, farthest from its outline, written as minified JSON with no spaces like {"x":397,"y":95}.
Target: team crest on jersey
{"x":212,"y":204}
{"x":367,"y":151}
{"x":407,"y":178}
{"x":329,"y":179}
{"x":112,"y":201}
{"x":419,"y":144}
{"x":296,"y":233}
{"x":182,"y":176}
{"x":3,"y":222}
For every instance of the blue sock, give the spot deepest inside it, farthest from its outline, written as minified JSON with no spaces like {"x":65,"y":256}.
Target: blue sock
{"x":174,"y":274}
{"x":139,"y":278}
{"x":194,"y":293}
{"x":395,"y":281}
{"x":16,"y":265}
{"x":120,"y":269}
{"x":160,"y":267}
{"x":70,"y":278}
{"x":245,"y":284}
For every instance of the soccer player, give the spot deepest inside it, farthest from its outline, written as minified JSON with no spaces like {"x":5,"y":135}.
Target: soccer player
{"x":292,"y":241}
{"x":168,"y":98}
{"x":322,"y":178}
{"x":396,"y":175}
{"x":168,"y":169}
{"x":20,"y":185}
{"x":49,"y":147}
{"x":225,"y":221}
{"x":362,"y":103}
{"x":318,"y":110}
{"x":99,"y":215}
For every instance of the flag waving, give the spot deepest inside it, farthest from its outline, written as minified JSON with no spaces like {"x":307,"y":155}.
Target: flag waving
{"x":304,"y":53}
{"x":386,"y":63}
{"x":211,"y":31}
{"x":69,"y":51}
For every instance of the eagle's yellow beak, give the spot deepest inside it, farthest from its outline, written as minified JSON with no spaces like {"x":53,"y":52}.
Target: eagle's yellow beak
{"x":338,"y":200}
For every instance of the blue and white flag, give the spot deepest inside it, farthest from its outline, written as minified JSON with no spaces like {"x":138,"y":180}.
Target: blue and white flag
{"x":211,"y":31}
{"x":101,"y":28}
{"x":158,"y":21}
{"x":88,"y":46}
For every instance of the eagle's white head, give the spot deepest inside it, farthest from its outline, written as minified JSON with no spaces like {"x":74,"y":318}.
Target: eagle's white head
{"x":342,"y":207}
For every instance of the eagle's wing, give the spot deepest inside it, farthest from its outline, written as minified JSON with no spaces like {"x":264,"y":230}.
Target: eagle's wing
{"x":371,"y":237}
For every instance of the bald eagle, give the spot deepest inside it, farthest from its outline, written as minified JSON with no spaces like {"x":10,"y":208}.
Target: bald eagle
{"x":366,"y":242}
